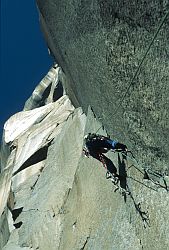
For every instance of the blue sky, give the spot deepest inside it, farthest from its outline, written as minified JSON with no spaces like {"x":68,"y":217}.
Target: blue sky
{"x":24,"y":55}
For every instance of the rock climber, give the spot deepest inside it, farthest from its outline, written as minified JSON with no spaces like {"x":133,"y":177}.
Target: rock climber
{"x":96,"y":145}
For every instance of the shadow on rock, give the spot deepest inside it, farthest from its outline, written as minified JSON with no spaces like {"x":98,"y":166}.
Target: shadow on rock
{"x":144,"y":215}
{"x":110,"y":165}
{"x":107,"y":163}
{"x":122,"y":174}
{"x":123,"y":184}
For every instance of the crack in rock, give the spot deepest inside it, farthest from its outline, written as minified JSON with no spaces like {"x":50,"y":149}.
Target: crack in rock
{"x":85,"y":243}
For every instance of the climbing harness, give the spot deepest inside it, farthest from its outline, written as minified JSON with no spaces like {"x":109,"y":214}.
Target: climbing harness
{"x":145,"y":171}
{"x":102,"y":160}
{"x":109,"y":175}
{"x":136,"y":165}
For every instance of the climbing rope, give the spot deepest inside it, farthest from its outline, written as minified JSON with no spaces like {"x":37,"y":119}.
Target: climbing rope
{"x":141,"y":169}
{"x":142,"y":60}
{"x":145,"y":170}
{"x":139,"y":66}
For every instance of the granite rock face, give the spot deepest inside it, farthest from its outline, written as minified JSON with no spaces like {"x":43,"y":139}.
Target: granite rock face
{"x":99,"y":44}
{"x":26,"y":138}
{"x":50,"y":89}
{"x":51,"y":196}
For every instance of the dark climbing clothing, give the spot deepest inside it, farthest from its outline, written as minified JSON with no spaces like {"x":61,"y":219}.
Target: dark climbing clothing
{"x":96,"y":146}
{"x":101,"y":144}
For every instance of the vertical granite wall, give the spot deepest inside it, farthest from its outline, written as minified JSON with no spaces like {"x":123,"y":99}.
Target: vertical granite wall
{"x":99,"y":45}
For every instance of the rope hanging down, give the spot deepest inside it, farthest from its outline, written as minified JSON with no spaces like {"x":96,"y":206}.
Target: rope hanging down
{"x":142,"y":60}
{"x":140,"y":64}
{"x":160,"y":182}
{"x":145,"y":170}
